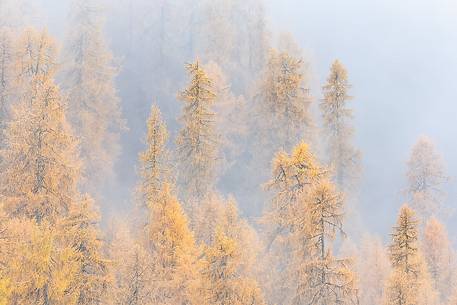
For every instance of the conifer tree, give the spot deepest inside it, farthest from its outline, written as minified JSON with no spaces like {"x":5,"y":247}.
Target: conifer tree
{"x":292,"y":177}
{"x":81,"y":231}
{"x":154,"y":160}
{"x":343,"y":157}
{"x":174,"y":254}
{"x":224,"y":285}
{"x":307,"y":212}
{"x":283,"y":101}
{"x":196,"y":142}
{"x":439,"y":257}
{"x":426,"y":178}
{"x":39,"y":160}
{"x":43,"y":269}
{"x":39,"y":188}
{"x":409,"y":282}
{"x":321,"y":277}
{"x":88,"y":80}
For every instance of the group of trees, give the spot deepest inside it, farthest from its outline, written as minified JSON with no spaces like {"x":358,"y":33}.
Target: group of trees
{"x":186,"y":242}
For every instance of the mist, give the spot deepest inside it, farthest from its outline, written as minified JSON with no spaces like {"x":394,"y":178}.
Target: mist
{"x":400,"y":59}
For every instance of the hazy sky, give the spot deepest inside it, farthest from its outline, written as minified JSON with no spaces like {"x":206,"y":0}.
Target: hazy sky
{"x":402,"y":61}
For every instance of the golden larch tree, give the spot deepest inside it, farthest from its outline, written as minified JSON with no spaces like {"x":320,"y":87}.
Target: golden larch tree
{"x":321,"y":277}
{"x":409,"y":282}
{"x":337,"y":129}
{"x":221,"y":276}
{"x":154,"y":160}
{"x":174,"y":260}
{"x":39,"y":191}
{"x":197,"y":147}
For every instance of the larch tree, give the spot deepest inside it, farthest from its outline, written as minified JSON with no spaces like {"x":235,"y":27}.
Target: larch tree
{"x":43,"y":270}
{"x":39,"y":188}
{"x":426,"y":177}
{"x":306,"y":213}
{"x":221,"y":276}
{"x":336,"y":116}
{"x":217,"y":212}
{"x":197,"y":147}
{"x":321,"y":277}
{"x":82,"y":232}
{"x":409,"y":282}
{"x":292,"y":177}
{"x":174,"y":262}
{"x":283,"y":101}
{"x":39,"y":161}
{"x":88,"y":80}
{"x":374,"y":267}
{"x":439,"y":257}
{"x":154,"y":160}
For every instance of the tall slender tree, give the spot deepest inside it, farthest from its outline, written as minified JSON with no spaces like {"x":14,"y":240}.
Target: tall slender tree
{"x":409,"y":282}
{"x":343,"y":156}
{"x":439,"y":257}
{"x":426,"y":178}
{"x":197,"y":146}
{"x":321,"y":277}
{"x":283,"y":101}
{"x":174,"y":254}
{"x":154,"y":160}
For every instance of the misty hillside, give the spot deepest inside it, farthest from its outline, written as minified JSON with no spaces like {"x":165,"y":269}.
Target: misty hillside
{"x":227,"y":152}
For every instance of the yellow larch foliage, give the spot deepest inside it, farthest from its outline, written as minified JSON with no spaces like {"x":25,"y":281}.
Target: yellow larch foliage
{"x":154,"y":160}
{"x":43,"y":269}
{"x":409,"y":282}
{"x":39,"y":160}
{"x":51,"y":224}
{"x":174,"y":253}
{"x":223,"y":283}
{"x":197,"y":145}
{"x":343,"y":157}
{"x":321,"y":277}
{"x":292,"y":176}
{"x":80,"y":229}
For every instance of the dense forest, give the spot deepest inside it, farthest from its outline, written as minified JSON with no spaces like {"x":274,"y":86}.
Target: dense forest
{"x":242,"y":179}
